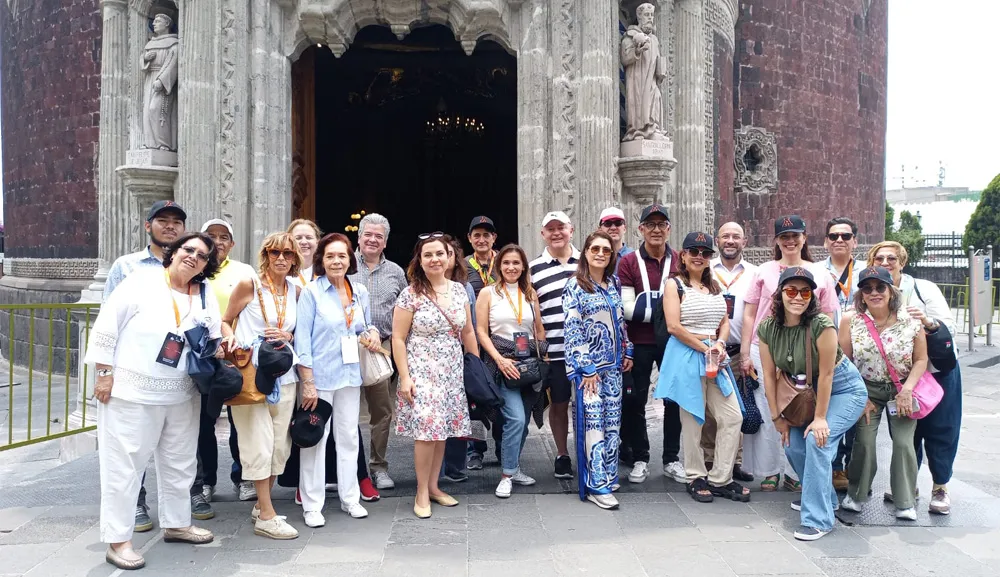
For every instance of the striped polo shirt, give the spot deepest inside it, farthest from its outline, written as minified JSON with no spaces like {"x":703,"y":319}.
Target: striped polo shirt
{"x":548,"y":278}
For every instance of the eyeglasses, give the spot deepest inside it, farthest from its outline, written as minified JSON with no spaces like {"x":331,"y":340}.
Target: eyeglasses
{"x":275,"y":253}
{"x":427,"y":235}
{"x":892,"y":259}
{"x":792,"y":292}
{"x":834,"y":236}
{"x":656,"y":225}
{"x":879,"y":287}
{"x":192,"y":250}
{"x":596,"y":250}
{"x":705,"y":252}
{"x":613,"y":223}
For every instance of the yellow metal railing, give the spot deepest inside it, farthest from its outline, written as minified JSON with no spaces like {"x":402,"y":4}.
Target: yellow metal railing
{"x":957,"y":296}
{"x":42,"y":374}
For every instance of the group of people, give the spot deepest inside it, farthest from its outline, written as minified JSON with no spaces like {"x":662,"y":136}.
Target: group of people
{"x":598,"y":319}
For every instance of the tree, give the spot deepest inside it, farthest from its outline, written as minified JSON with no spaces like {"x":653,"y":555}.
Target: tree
{"x":984,"y":226}
{"x":909,"y":234}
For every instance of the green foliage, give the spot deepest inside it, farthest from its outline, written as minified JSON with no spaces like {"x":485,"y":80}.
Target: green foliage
{"x":909,"y":234}
{"x":984,"y":226}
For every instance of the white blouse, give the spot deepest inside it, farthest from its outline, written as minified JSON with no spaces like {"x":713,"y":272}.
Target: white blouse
{"x":250,"y":324}
{"x":130,"y":331}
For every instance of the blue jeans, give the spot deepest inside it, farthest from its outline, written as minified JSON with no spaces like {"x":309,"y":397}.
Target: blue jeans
{"x":843,"y":457}
{"x":814,"y":464}
{"x":938,"y":432}
{"x":515,"y":427}
{"x":454,"y":456}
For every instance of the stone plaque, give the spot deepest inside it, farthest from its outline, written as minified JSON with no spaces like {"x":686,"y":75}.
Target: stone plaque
{"x":648,"y":148}
{"x":150,"y":157}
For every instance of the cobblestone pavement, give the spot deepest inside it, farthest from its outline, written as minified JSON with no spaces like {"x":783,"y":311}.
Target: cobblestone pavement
{"x":49,"y":524}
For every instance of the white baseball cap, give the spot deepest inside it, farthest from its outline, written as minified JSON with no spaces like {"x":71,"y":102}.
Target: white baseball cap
{"x":220,"y":222}
{"x":611,"y":212}
{"x":556,"y":215}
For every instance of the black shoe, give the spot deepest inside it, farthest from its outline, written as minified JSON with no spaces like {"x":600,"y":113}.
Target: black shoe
{"x":741,"y":475}
{"x":200,"y":509}
{"x":142,"y":521}
{"x":564,"y":467}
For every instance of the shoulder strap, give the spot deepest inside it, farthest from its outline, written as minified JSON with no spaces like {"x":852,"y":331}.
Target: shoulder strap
{"x":916,"y":289}
{"x":680,"y":287}
{"x":643,"y":273}
{"x":201,"y":289}
{"x":454,"y":327}
{"x":809,"y":353}
{"x":878,"y":342}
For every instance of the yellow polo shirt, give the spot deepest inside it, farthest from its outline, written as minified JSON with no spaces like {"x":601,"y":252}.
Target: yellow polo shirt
{"x":231,"y":272}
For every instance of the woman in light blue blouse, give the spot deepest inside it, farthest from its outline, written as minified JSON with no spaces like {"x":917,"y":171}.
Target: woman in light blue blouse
{"x":334,"y":317}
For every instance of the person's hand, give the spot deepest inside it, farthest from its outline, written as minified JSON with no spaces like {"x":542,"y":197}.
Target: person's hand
{"x":589,"y":384}
{"x":372,"y":344}
{"x":904,"y":403}
{"x":918,"y":314}
{"x":220,"y":352}
{"x":310,"y":398}
{"x":820,"y":429}
{"x":407,"y":390}
{"x":627,"y":365}
{"x":508,"y":368}
{"x":746,"y":364}
{"x":158,"y":86}
{"x":273,"y":334}
{"x":228,"y":343}
{"x":149,"y":56}
{"x":784,"y":429}
{"x":869,"y":411}
{"x":102,"y":392}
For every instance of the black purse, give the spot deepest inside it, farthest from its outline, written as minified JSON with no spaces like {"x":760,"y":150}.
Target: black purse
{"x":201,"y":362}
{"x":940,"y":343}
{"x":532,"y":370}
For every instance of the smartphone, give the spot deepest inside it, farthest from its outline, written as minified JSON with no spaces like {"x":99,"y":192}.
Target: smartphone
{"x":893,"y":411}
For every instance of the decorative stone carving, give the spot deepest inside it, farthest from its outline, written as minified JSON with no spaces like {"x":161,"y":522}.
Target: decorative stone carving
{"x":159,"y":61}
{"x":146,"y":185}
{"x":645,"y":69}
{"x":756,"y":160}
{"x":644,"y":181}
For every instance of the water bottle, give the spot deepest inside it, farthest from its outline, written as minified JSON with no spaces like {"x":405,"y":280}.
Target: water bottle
{"x":800,"y":382}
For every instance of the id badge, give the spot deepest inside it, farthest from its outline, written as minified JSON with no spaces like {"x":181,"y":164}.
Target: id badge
{"x":349,"y":349}
{"x":521,"y":349}
{"x":170,"y":352}
{"x":730,"y":305}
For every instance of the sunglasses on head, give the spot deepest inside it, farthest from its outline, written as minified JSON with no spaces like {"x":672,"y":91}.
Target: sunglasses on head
{"x":792,"y":292}
{"x":834,"y":236}
{"x":879,"y":287}
{"x":427,"y":235}
{"x":613,"y":223}
{"x":595,"y":249}
{"x":192,"y":250}
{"x":705,"y":252}
{"x":275,"y":253}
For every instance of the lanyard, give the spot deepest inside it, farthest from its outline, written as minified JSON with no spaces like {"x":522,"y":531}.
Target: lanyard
{"x":173,"y":301}
{"x":280,"y":306}
{"x":303,"y":278}
{"x":348,"y":316}
{"x":845,"y":292}
{"x":488,"y":277}
{"x":520,"y":303}
{"x":730,"y":283}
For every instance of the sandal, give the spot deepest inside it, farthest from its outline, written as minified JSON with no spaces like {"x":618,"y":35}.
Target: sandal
{"x":791,"y":484}
{"x":733,"y":491}
{"x":699,"y":491}
{"x":741,"y":475}
{"x":769,"y":484}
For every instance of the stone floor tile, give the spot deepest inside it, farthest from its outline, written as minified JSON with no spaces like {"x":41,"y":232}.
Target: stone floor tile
{"x":14,"y":517}
{"x":43,"y":529}
{"x":674,"y":560}
{"x":270,"y":562}
{"x":727,"y":528}
{"x":433,"y":531}
{"x":640,"y":517}
{"x":841,"y":542}
{"x":857,"y":567}
{"x":343,"y":548}
{"x":981,"y":544}
{"x":608,"y":559}
{"x":774,"y":557}
{"x":509,"y":544}
{"x":22,"y":558}
{"x":512,"y":516}
{"x":568,"y":530}
{"x":693,"y":508}
{"x":345,"y":569}
{"x":512,"y":568}
{"x":425,"y":561}
{"x":180,"y":556}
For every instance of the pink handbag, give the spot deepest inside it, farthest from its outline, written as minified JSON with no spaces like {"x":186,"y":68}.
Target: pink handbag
{"x":928,"y":392}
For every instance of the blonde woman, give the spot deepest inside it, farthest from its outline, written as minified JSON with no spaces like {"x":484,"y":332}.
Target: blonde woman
{"x":306,"y":235}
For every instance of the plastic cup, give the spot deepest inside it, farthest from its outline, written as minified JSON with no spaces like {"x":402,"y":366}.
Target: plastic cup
{"x":712,"y":363}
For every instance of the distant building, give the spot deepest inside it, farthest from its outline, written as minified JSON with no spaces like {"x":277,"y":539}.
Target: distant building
{"x":925,"y":194}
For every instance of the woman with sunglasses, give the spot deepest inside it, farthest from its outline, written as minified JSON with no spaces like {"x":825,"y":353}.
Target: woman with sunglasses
{"x":839,"y":392}
{"x":431,"y":325}
{"x":878,"y":306}
{"x":698,"y":321}
{"x":938,"y":432}
{"x":306,"y":235}
{"x":598,"y":351}
{"x":264,"y":307}
{"x":762,"y":454}
{"x":148,"y":405}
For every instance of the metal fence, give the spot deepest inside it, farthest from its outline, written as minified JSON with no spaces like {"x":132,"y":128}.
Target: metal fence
{"x":944,"y":250}
{"x":41,"y":347}
{"x":957,"y":296}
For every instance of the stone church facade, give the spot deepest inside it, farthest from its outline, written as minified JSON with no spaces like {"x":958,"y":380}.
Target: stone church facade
{"x":769,"y":107}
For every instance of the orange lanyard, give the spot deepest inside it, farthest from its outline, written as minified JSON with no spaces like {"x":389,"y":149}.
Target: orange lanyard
{"x":173,"y":301}
{"x":845,"y":291}
{"x":730,"y":283}
{"x":303,"y":278}
{"x":488,"y":277}
{"x":279,"y":305}
{"x":520,"y":303}
{"x":348,"y":316}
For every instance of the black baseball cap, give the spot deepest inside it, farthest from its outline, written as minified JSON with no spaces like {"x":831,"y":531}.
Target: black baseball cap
{"x":273,"y":360}
{"x":875,"y":272}
{"x":654,"y":209}
{"x":482,"y":222}
{"x":226,"y":384}
{"x":162,"y":205}
{"x":797,"y":272}
{"x":698,"y":240}
{"x":790,"y":223}
{"x":306,"y":428}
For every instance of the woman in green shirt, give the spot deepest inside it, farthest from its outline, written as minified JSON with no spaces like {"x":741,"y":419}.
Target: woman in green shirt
{"x":840,"y":393}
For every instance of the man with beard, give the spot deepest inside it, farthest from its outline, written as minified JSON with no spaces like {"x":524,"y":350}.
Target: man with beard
{"x":164,"y":224}
{"x":642,"y":273}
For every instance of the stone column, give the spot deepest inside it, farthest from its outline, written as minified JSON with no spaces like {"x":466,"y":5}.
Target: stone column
{"x":688,"y":206}
{"x":564,"y":139}
{"x":598,"y":111}
{"x":665,"y":16}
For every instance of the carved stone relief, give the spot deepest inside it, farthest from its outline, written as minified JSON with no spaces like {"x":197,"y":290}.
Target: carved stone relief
{"x":756,"y":160}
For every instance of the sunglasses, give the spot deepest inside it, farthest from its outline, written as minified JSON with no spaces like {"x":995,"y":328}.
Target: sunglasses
{"x":613,"y":223}
{"x":792,"y":292}
{"x":834,"y":236}
{"x":275,"y":253}
{"x":596,"y":250}
{"x":427,"y":235}
{"x":705,"y":252}
{"x":879,"y":287}
{"x":886,"y":258}
{"x":192,"y":250}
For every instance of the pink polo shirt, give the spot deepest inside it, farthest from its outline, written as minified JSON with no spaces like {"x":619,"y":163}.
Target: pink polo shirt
{"x":765,"y":283}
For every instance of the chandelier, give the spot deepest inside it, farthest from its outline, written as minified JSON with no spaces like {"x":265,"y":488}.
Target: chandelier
{"x":447,"y":125}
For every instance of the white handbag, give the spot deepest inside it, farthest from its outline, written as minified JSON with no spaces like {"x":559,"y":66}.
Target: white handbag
{"x":375,"y":367}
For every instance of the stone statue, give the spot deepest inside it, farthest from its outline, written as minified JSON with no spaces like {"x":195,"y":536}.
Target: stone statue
{"x":159,"y":61}
{"x":644,"y":70}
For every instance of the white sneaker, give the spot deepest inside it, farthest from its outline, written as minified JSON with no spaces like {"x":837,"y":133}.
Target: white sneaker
{"x":504,"y":488}
{"x":314,"y":519}
{"x":246,"y":491}
{"x":275,"y":528}
{"x":940,"y":502}
{"x":907,"y":514}
{"x":520,"y":478}
{"x":676,"y":472}
{"x":255,"y":513}
{"x":850,"y":504}
{"x":383,"y":480}
{"x":355,"y":510}
{"x":603,"y":501}
{"x":640,"y":470}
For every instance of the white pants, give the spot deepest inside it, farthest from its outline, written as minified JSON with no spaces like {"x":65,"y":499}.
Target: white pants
{"x":128,"y":434}
{"x":312,"y":461}
{"x":763,"y":455}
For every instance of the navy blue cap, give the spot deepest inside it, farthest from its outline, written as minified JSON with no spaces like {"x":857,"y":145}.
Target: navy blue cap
{"x":878,"y":273}
{"x":698,"y":240}
{"x":482,"y":222}
{"x":797,"y":272}
{"x":652,"y":209}
{"x":162,"y":205}
{"x":790,"y":223}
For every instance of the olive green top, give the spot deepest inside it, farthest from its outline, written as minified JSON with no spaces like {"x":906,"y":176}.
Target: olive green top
{"x":788,"y":344}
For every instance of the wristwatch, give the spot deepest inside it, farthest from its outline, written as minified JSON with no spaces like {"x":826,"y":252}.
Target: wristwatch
{"x":104,"y":372}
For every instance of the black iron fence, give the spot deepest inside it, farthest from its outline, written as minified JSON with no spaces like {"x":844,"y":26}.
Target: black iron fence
{"x":944,"y":250}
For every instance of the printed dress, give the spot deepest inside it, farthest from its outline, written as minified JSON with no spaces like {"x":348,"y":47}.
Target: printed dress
{"x":436,"y":362}
{"x":596,"y":344}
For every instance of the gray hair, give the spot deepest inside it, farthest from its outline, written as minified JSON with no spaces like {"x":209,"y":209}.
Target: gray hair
{"x":376,"y":219}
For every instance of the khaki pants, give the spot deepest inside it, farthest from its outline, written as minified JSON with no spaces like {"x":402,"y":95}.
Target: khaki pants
{"x":263,"y":437}
{"x":727,"y":438}
{"x":380,"y":409}
{"x":709,"y":428}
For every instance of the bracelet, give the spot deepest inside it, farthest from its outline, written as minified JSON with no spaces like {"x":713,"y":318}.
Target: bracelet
{"x":104,"y":372}
{"x":309,"y":382}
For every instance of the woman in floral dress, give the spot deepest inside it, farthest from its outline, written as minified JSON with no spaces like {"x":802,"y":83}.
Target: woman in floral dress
{"x":430,"y":326}
{"x":597,"y":353}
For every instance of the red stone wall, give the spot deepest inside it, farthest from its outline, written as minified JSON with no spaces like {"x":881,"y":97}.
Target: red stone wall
{"x":814,"y":74}
{"x":722,"y":113}
{"x":51,"y":67}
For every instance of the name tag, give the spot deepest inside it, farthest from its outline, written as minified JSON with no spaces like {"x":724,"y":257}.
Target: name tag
{"x":730,"y":305}
{"x":521,"y":349}
{"x":349,"y":349}
{"x":170,"y":351}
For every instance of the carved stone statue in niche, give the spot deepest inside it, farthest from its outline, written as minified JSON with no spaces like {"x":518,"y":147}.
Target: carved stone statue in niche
{"x":159,"y":62}
{"x":645,"y":69}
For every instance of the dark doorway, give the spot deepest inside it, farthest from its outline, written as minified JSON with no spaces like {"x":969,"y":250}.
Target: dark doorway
{"x":418,"y":131}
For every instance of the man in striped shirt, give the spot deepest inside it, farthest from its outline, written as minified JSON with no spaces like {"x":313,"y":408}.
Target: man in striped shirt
{"x":549,"y":273}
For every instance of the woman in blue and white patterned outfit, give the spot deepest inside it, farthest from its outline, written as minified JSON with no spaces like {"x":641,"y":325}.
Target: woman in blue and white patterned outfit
{"x":597,"y":353}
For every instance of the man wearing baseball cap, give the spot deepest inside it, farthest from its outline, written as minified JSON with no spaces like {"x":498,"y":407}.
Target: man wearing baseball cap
{"x":549,"y":273}
{"x":612,"y":221}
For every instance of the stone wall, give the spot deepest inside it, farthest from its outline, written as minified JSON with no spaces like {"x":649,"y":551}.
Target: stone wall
{"x":51,"y":53}
{"x":723,"y":143}
{"x":813,"y":74}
